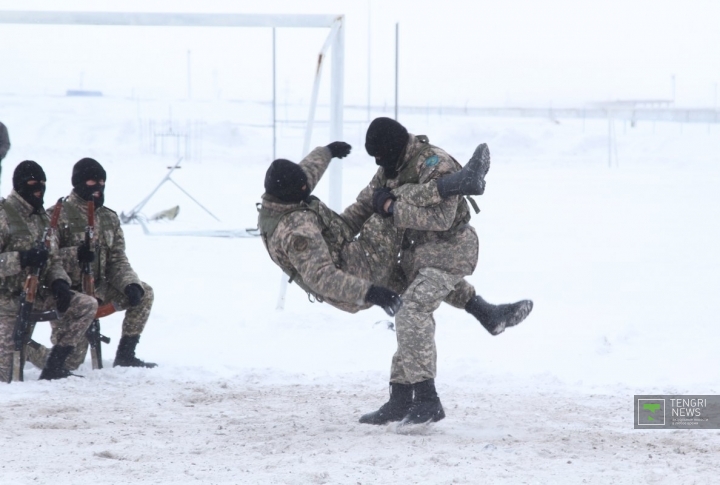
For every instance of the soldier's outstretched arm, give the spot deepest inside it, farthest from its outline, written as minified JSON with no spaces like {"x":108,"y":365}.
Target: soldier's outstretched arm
{"x":302,"y":241}
{"x":317,"y":161}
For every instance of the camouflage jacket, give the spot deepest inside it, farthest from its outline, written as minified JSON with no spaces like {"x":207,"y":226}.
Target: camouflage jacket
{"x":111,"y":265}
{"x":20,"y":227}
{"x":419,"y":209}
{"x":307,"y":239}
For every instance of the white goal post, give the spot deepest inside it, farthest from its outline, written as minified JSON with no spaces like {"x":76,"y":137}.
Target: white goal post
{"x":335,"y":42}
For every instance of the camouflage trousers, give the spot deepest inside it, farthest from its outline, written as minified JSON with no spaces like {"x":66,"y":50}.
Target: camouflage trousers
{"x":133,"y":324}
{"x":69,"y":330}
{"x":436,"y":270}
{"x":375,"y":257}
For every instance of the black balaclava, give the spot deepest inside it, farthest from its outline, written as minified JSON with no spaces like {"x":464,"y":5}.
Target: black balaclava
{"x":89,"y":169}
{"x":24,"y":172}
{"x":285,"y":180}
{"x":385,"y":140}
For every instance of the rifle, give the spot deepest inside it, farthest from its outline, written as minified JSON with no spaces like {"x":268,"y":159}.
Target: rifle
{"x":95,"y":338}
{"x":26,"y":319}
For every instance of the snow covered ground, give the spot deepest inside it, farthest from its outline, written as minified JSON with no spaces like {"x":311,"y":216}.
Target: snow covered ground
{"x":622,"y":264}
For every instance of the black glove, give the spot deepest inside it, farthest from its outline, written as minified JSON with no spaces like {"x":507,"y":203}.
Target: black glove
{"x":134,"y":292}
{"x":62,"y":293}
{"x":339,"y":149}
{"x":85,"y":254}
{"x":34,"y":257}
{"x":380,"y":196}
{"x":387,"y":299}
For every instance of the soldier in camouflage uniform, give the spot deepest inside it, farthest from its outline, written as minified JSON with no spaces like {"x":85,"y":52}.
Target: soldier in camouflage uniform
{"x":439,"y":248}
{"x":22,"y":222}
{"x":115,"y":280}
{"x":313,"y":245}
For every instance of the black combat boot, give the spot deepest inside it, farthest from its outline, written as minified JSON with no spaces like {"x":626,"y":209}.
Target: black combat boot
{"x":471,"y":179}
{"x":55,"y":365}
{"x":495,"y":318}
{"x":125,"y":356}
{"x":426,"y":406}
{"x":393,"y":410}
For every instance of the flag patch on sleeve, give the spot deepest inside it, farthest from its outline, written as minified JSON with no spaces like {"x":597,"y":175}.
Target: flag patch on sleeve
{"x":432,"y":161}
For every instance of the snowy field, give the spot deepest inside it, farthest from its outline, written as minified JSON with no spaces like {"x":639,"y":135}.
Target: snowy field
{"x":622,"y":264}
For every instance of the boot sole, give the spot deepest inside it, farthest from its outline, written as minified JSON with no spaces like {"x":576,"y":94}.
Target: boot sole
{"x":521,"y":314}
{"x":480,"y":160}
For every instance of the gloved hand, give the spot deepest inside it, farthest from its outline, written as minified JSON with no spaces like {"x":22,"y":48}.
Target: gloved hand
{"x":85,"y":254}
{"x":380,"y":196}
{"x":387,"y":299}
{"x":34,"y":257}
{"x":134,"y":292}
{"x":339,"y":149}
{"x":63,"y":295}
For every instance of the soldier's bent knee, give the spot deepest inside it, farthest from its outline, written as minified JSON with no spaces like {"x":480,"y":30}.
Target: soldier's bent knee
{"x":149,"y":295}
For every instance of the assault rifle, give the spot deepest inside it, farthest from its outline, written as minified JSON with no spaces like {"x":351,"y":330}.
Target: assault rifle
{"x":95,"y":338}
{"x":26,"y":319}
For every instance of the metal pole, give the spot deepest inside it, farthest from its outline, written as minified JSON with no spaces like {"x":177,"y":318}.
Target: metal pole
{"x":370,"y":55}
{"x":336,"y":111}
{"x":609,"y":139}
{"x":274,"y":104}
{"x":397,"y":49}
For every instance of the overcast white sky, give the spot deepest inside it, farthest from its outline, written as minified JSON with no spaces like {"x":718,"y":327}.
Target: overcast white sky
{"x":482,"y":53}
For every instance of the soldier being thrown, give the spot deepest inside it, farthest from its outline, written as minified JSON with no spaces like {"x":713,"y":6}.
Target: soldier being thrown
{"x":115,"y":279}
{"x":22,"y":222}
{"x":311,"y":243}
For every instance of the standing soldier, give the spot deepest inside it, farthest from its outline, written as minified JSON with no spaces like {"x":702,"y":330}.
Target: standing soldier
{"x":22,"y":222}
{"x":115,"y":279}
{"x":439,"y":248}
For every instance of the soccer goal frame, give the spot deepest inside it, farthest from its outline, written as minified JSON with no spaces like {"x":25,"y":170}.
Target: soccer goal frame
{"x":335,"y":42}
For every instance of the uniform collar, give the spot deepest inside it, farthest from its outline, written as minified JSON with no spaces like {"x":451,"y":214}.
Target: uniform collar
{"x":23,"y":206}
{"x":273,"y":203}
{"x":78,"y":202}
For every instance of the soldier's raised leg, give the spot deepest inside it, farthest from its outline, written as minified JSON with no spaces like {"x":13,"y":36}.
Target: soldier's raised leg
{"x":494,"y":318}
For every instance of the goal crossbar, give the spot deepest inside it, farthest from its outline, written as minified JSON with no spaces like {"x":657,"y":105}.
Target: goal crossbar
{"x":168,"y":19}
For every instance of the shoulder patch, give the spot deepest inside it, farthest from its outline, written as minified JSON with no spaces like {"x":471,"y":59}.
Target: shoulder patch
{"x":432,"y":161}
{"x":300,"y":243}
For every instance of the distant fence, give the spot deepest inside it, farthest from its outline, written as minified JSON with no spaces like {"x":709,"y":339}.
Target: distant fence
{"x":172,"y":138}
